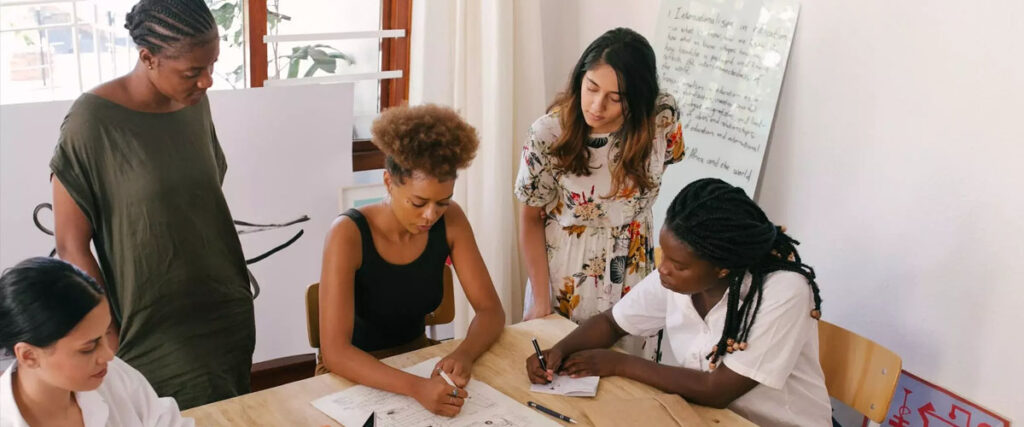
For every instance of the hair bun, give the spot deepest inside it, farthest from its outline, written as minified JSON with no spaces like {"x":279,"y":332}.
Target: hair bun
{"x":131,"y":18}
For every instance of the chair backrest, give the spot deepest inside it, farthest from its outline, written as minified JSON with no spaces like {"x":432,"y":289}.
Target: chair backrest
{"x":858,"y":372}
{"x":313,"y":315}
{"x":445,"y":313}
{"x":657,"y":256}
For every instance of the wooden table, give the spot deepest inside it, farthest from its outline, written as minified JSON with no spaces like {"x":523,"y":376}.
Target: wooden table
{"x":503,"y":367}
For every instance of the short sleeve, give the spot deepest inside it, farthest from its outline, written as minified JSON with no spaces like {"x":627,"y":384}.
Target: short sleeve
{"x":535,"y":184}
{"x":71,"y":163}
{"x":642,"y":311}
{"x":218,"y":154}
{"x":669,"y":128}
{"x":781,"y":329}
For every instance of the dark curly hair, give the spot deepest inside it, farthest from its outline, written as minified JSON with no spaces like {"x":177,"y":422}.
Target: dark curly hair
{"x":430,"y":139}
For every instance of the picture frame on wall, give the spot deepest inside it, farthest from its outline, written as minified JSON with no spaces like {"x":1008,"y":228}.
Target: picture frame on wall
{"x":356,"y":196}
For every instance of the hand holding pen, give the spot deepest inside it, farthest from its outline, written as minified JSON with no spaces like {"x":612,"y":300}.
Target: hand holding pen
{"x":541,"y":366}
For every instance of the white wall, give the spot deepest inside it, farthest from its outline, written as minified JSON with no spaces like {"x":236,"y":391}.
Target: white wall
{"x":895,"y":160}
{"x":285,"y":159}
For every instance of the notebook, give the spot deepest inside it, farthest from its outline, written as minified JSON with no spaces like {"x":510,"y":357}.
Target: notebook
{"x":568,"y":386}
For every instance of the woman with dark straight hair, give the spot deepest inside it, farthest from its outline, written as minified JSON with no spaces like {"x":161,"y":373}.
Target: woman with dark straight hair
{"x":53,"y":319}
{"x":590,"y":172}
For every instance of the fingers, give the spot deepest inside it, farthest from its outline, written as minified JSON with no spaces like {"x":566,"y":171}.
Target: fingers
{"x":446,"y":365}
{"x":534,"y":372}
{"x":453,"y":400}
{"x":553,"y":359}
{"x":449,"y":400}
{"x":459,"y":374}
{"x":460,"y":380}
{"x":456,"y":371}
{"x":448,"y":410}
{"x":574,"y":366}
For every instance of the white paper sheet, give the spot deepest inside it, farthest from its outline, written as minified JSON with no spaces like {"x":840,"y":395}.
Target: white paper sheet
{"x":568,"y":386}
{"x":486,"y":407}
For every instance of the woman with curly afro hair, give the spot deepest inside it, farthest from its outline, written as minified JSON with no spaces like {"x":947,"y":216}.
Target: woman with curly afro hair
{"x":383,"y":264}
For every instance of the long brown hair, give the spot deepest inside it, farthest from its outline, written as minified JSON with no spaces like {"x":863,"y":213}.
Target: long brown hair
{"x":633,"y":60}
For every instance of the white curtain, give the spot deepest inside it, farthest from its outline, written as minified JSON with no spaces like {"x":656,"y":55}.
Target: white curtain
{"x":468,"y":54}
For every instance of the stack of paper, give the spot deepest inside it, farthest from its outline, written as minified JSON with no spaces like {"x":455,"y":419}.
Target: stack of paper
{"x":486,"y":406}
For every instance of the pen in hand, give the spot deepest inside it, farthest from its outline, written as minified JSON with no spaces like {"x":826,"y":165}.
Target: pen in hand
{"x":540,"y":356}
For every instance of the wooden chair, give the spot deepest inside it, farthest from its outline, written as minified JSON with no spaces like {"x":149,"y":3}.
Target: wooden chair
{"x":282,"y":370}
{"x":445,"y":313}
{"x":858,"y":372}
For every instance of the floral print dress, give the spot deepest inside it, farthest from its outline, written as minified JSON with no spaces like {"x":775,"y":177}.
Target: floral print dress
{"x":597,"y":247}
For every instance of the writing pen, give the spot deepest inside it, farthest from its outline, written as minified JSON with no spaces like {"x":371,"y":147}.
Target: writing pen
{"x":448,"y":380}
{"x":538,"y":407}
{"x":543,"y":363}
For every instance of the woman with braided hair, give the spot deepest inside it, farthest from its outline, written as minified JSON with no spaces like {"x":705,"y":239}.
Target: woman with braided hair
{"x":739,"y":309}
{"x":137,"y":172}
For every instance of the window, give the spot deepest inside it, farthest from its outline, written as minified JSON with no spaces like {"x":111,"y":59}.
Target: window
{"x":54,"y":50}
{"x":304,"y":46}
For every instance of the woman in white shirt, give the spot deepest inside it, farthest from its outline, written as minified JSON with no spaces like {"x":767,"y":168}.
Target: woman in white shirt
{"x":53,"y":319}
{"x":739,"y":311}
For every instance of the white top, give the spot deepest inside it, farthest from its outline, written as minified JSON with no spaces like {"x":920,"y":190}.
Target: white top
{"x":781,"y":355}
{"x":124,"y":399}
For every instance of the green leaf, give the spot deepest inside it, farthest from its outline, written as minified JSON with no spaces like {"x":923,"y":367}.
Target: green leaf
{"x":312,"y":69}
{"x":225,"y":15}
{"x":293,"y":68}
{"x":323,"y":61}
{"x":238,"y":73}
{"x":277,"y":16}
{"x":342,"y":56}
{"x":238,"y":38}
{"x":298,"y":53}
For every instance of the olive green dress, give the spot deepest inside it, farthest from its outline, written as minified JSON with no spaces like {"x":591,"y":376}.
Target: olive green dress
{"x":150,"y":185}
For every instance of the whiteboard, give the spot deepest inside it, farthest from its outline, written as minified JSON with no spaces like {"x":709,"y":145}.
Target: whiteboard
{"x":724,"y":61}
{"x":288,"y":151}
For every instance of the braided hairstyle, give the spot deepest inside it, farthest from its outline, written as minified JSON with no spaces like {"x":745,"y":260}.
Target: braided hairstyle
{"x":726,"y":228}
{"x":164,"y":24}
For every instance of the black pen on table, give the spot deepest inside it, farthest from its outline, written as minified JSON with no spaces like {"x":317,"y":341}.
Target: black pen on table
{"x":543,"y":364}
{"x":538,"y":407}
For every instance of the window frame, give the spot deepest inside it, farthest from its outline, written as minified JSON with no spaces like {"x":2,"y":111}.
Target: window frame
{"x":395,"y":55}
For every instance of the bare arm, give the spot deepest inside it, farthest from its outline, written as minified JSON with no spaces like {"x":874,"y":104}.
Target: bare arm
{"x":489,"y":320}
{"x":342,"y":257}
{"x":534,"y":247}
{"x":73,"y":233}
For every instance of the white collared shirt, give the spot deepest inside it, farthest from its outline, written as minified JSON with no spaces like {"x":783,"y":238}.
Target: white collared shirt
{"x":781,"y":354}
{"x":124,"y":399}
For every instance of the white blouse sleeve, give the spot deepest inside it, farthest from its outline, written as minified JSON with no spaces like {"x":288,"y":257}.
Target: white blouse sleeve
{"x":154,"y":411}
{"x":642,"y":311}
{"x":782,"y":327}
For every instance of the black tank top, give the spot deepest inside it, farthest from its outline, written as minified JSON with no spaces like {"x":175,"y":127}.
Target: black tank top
{"x":391,"y":300}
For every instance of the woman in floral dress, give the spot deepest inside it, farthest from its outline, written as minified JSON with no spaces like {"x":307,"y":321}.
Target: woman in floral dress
{"x":590,"y":172}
